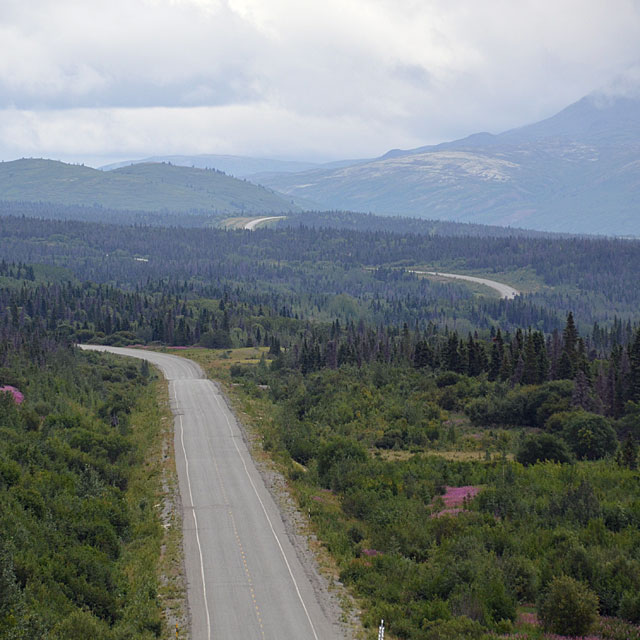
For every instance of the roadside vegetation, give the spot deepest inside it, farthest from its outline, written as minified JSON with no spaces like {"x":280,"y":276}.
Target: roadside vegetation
{"x":454,"y":505}
{"x":83,"y":552}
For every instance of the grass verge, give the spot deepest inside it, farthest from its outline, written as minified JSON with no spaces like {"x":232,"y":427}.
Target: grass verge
{"x":153,"y":561}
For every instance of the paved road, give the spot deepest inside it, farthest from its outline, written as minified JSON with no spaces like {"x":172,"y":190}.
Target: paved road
{"x":504,"y":290}
{"x":252,"y":224}
{"x":244,"y":578}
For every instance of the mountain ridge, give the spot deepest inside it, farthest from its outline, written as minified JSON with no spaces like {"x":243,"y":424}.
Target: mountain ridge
{"x":577,"y":171}
{"x":237,"y":166}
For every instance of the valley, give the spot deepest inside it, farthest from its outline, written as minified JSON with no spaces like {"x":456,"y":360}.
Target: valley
{"x":376,"y":393}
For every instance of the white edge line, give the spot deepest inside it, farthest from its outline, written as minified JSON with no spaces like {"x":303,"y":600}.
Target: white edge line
{"x":273,"y":531}
{"x":255,"y":490}
{"x":195,"y":519}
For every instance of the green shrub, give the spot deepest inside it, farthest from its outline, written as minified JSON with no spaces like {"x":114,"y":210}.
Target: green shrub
{"x":541,"y":447}
{"x":568,"y":607}
{"x":589,"y":435}
{"x":447,"y":379}
{"x":460,"y":627}
{"x":630,"y":606}
{"x":521,"y":575}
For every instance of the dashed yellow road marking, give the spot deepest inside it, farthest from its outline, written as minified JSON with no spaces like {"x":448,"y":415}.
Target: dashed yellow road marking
{"x":240,"y":547}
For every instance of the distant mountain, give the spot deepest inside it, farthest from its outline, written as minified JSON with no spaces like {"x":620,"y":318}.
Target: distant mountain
{"x":237,"y":166}
{"x":144,"y":187}
{"x":578,"y":172}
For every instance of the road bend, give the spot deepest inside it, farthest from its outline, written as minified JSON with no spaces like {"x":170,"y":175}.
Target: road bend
{"x":252,"y":225}
{"x":244,"y":578}
{"x":505,"y":291}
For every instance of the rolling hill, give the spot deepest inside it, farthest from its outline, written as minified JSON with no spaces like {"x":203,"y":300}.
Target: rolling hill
{"x":143,"y":187}
{"x":578,"y":171}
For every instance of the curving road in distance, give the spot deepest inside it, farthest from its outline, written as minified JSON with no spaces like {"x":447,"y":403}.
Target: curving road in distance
{"x":244,"y":579}
{"x":252,"y":224}
{"x":504,"y":290}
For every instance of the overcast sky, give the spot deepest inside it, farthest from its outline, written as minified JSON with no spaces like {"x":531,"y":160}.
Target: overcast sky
{"x":95,"y":80}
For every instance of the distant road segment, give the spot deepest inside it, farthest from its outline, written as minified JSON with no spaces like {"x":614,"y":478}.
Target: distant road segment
{"x":252,"y":224}
{"x":504,"y":290}
{"x":244,"y":578}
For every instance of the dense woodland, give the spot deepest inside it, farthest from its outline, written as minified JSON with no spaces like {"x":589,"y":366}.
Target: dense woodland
{"x":355,"y":221}
{"x":319,"y":270}
{"x":460,"y":456}
{"x":79,"y":539}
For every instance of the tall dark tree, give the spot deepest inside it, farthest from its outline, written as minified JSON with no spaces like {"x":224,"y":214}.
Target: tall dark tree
{"x":634,"y":369}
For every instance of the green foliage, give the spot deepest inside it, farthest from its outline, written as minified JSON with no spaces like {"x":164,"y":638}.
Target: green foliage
{"x":568,"y":607}
{"x":366,"y":437}
{"x":630,"y":606}
{"x":542,"y":447}
{"x":365,"y":393}
{"x":525,"y":406}
{"x":629,"y":453}
{"x":590,"y":436}
{"x":67,"y":455}
{"x":460,"y":627}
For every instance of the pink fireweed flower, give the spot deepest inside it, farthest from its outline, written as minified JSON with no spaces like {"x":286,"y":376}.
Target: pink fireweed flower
{"x":455,"y":498}
{"x":528,"y":618}
{"x":18,"y":396}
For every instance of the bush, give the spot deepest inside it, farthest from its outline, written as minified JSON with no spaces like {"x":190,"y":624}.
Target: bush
{"x":447,"y":379}
{"x":478,"y":411}
{"x":460,"y":627}
{"x":521,"y":576}
{"x":541,"y":447}
{"x":568,"y":607}
{"x":589,"y":435}
{"x":630,"y":607}
{"x":81,"y":625}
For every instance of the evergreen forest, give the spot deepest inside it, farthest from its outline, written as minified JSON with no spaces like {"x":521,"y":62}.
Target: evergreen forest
{"x":469,"y":463}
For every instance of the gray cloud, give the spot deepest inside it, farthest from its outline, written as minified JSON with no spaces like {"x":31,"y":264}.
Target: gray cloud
{"x":290,"y":78}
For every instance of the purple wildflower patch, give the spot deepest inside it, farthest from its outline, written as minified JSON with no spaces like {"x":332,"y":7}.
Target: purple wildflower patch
{"x":18,"y":396}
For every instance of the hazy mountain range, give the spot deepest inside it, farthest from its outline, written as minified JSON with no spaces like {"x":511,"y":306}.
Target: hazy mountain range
{"x":576,"y":172}
{"x":236,"y":166}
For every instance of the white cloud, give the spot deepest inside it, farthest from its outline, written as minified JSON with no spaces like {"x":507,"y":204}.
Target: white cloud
{"x":256,"y":129}
{"x":291,"y":77}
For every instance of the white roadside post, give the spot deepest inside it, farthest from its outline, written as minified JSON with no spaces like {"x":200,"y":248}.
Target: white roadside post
{"x":381,"y":630}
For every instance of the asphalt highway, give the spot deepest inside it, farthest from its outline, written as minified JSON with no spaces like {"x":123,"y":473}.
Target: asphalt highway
{"x":504,"y":290}
{"x":244,"y":578}
{"x":252,"y":224}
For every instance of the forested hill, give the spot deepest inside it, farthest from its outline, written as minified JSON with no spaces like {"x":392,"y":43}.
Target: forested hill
{"x":355,"y":221}
{"x":196,"y":218}
{"x":146,"y":187}
{"x":360,"y":273}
